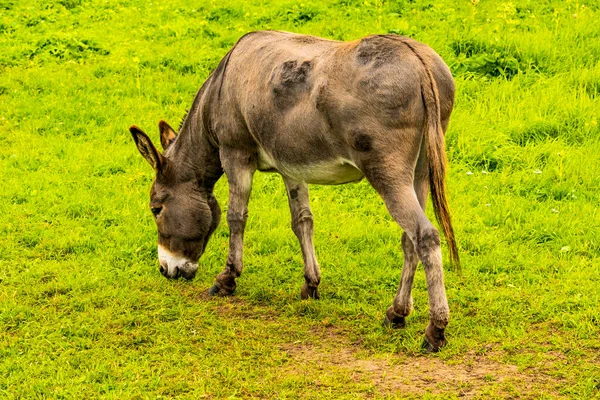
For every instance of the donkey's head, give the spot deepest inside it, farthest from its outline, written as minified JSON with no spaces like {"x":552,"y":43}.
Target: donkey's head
{"x":185,"y":213}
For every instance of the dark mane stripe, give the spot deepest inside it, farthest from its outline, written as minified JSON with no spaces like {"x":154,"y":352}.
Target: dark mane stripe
{"x":182,"y":120}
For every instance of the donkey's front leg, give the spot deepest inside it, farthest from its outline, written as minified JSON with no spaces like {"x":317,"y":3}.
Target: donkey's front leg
{"x":239,"y":167}
{"x":302,"y":225}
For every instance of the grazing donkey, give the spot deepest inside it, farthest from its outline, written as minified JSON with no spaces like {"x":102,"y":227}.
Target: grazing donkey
{"x":315,"y":111}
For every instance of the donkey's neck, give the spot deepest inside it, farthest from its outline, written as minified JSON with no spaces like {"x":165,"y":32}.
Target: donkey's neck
{"x":192,"y":154}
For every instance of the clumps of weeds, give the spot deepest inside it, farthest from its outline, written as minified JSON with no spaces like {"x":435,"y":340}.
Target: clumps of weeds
{"x":6,"y":28}
{"x":592,"y":88}
{"x":182,"y":67}
{"x":224,"y":14}
{"x":403,"y":28}
{"x":588,"y":82}
{"x":535,"y":133}
{"x":296,"y":15}
{"x":300,"y":14}
{"x":485,"y":160}
{"x":65,"y":49}
{"x":6,"y":5}
{"x":70,"y":4}
{"x":570,"y":130}
{"x":490,"y":156}
{"x":492,"y":60}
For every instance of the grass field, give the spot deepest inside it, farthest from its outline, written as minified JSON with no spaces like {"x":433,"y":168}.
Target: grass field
{"x":85,"y":313}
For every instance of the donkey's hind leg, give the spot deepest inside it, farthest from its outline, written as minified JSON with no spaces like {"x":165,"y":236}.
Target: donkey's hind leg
{"x":302,"y":225}
{"x":396,"y":188}
{"x":403,"y":303}
{"x":405,"y":209}
{"x":395,"y":316}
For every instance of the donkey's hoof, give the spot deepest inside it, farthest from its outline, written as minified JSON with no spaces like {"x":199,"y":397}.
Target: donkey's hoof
{"x":434,"y":339}
{"x":393,"y":320}
{"x":428,"y":347}
{"x":309,"y":292}
{"x":217,"y":290}
{"x":214,"y":290}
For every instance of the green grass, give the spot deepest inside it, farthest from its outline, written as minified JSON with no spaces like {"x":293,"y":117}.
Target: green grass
{"x":85,"y":313}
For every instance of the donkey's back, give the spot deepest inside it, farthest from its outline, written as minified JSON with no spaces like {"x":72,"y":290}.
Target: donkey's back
{"x":313,"y":108}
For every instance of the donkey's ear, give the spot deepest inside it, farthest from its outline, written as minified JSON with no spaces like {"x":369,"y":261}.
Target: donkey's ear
{"x":147,"y":148}
{"x":167,"y":134}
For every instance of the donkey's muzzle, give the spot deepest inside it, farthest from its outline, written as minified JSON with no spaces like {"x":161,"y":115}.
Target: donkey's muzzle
{"x":188,"y":274}
{"x":173,"y":266}
{"x":186,"y":271}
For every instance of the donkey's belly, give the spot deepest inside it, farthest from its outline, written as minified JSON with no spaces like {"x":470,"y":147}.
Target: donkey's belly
{"x":327,"y":172}
{"x":333,"y":172}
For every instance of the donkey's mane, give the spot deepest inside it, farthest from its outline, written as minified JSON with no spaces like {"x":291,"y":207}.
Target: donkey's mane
{"x":219,"y":73}
{"x":181,"y":121}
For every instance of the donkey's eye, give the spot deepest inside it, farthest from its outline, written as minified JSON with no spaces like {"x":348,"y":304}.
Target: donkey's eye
{"x":156,"y":210}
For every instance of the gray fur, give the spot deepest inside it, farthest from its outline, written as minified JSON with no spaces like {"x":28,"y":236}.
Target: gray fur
{"x":315,"y":111}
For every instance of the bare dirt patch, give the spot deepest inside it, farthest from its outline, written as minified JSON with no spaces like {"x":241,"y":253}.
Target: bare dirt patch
{"x":471,"y":376}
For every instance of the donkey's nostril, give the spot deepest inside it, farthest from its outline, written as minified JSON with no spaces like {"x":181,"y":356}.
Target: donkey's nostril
{"x":163,"y":270}
{"x":188,"y":275}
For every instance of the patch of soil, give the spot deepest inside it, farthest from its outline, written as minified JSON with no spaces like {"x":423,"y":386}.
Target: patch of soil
{"x":400,"y":375}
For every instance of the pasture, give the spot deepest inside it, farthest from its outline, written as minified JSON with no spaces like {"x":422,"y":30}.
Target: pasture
{"x":85,"y":313}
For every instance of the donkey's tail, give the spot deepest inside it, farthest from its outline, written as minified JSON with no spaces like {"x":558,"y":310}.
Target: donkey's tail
{"x":436,"y":156}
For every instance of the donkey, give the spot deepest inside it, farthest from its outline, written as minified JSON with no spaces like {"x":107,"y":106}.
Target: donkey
{"x":315,"y":111}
